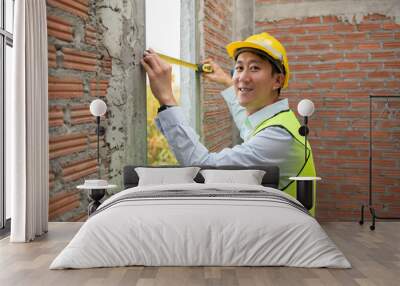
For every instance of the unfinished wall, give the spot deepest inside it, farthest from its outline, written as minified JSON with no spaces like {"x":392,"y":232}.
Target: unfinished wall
{"x":189,"y":51}
{"x":93,"y":57}
{"x":243,"y":27}
{"x":215,"y":18}
{"x":340,"y":52}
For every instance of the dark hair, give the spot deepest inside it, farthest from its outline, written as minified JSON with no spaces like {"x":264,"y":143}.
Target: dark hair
{"x":277,"y":66}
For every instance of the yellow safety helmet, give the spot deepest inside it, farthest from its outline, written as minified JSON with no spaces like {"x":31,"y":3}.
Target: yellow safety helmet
{"x":267,"y":44}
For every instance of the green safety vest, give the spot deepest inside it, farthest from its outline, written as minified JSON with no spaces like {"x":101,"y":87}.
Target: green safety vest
{"x":288,"y":121}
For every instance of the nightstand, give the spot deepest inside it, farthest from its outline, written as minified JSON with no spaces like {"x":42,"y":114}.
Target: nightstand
{"x":96,"y":191}
{"x":305,"y":190}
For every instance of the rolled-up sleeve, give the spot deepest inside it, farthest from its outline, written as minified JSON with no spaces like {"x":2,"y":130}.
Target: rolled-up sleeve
{"x":269,"y":147}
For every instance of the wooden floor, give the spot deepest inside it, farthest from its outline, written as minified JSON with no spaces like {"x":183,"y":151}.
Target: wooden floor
{"x":374,"y":255}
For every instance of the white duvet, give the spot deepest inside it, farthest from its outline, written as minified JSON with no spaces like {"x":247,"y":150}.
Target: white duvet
{"x":200,"y":231}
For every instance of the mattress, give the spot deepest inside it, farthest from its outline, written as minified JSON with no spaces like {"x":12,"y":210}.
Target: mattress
{"x":201,"y":225}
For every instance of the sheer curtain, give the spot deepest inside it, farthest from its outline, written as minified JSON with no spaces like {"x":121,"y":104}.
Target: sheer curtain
{"x":27,"y":124}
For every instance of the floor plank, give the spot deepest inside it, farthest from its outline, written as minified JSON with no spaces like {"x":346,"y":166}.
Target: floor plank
{"x":375,"y":257}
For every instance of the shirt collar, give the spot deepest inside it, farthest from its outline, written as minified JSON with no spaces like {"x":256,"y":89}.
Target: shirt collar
{"x":266,"y":112}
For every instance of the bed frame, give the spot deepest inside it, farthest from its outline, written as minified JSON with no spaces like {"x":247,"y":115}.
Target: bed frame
{"x":270,"y":179}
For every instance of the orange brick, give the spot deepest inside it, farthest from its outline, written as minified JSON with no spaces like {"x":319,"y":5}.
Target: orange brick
{"x":98,"y":87}
{"x":52,"y":56}
{"x":62,"y":203}
{"x":79,"y":60}
{"x":369,"y":46}
{"x":381,"y":36}
{"x":359,"y":75}
{"x":65,"y":87}
{"x":345,"y":66}
{"x":312,"y":20}
{"x":331,"y":38}
{"x":56,"y":116}
{"x":328,"y":75}
{"x":59,"y":28}
{"x":81,"y":114}
{"x":355,"y":36}
{"x":322,"y":85}
{"x":75,"y":7}
{"x":330,"y":19}
{"x":306,"y":76}
{"x":323,"y":67}
{"x":368,"y":27}
{"x":391,"y":45}
{"x":340,"y":27}
{"x":90,"y":35}
{"x":383,"y":55}
{"x":371,"y":65}
{"x":392,"y":65}
{"x":299,"y":85}
{"x":79,"y":169}
{"x":318,"y":29}
{"x":318,"y":47}
{"x":63,"y":145}
{"x":380,"y":74}
{"x":346,"y":85}
{"x":344,"y":46}
{"x":390,"y":26}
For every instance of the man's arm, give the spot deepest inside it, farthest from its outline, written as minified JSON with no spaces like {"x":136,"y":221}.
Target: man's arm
{"x":237,"y":111}
{"x":269,"y":147}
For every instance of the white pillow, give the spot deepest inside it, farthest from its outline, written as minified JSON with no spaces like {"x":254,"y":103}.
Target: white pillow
{"x":164,"y":176}
{"x":248,"y":177}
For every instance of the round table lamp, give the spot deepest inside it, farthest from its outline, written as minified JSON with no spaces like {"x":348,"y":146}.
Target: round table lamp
{"x":98,"y":108}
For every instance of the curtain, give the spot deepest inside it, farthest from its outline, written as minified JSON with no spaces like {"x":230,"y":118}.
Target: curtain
{"x":27,"y":124}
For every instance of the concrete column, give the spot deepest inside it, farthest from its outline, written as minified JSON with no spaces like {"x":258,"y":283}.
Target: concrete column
{"x":243,"y":20}
{"x":123,"y":25}
{"x":189,"y":52}
{"x":243,"y":27}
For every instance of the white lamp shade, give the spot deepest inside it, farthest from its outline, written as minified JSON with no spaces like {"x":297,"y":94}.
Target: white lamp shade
{"x":98,"y":107}
{"x":305,"y":107}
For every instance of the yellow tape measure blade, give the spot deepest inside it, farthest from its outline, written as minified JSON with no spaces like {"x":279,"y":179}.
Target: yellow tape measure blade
{"x":179,"y":62}
{"x":201,"y":67}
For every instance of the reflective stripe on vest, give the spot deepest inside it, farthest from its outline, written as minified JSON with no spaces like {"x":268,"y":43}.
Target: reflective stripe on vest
{"x":288,"y":121}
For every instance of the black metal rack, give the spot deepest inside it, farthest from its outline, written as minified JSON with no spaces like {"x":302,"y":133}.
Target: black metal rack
{"x":369,"y":205}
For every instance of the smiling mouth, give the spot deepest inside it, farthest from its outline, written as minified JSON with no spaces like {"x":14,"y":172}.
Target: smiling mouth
{"x":244,"y":89}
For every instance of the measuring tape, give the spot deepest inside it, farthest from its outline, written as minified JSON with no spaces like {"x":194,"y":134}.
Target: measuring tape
{"x":206,"y":68}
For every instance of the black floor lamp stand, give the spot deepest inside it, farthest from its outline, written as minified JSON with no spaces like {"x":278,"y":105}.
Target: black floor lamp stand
{"x":374,"y":215}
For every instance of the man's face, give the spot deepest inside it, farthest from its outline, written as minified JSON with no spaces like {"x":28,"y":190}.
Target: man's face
{"x":254,"y":83}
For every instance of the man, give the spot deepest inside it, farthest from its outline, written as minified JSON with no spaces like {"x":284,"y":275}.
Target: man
{"x":267,"y":125}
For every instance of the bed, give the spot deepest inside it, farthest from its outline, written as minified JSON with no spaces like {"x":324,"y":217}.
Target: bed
{"x":201,"y":224}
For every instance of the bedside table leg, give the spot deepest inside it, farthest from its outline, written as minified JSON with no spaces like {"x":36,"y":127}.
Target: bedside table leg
{"x":92,"y":207}
{"x":304,"y":193}
{"x":95,"y":195}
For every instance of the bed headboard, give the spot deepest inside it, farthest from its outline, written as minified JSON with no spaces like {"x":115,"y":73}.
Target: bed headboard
{"x":270,"y":179}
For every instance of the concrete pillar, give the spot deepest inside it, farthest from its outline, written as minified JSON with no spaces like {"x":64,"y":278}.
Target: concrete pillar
{"x":189,"y":84}
{"x":243,"y":27}
{"x":243,"y":20}
{"x":123,"y":25}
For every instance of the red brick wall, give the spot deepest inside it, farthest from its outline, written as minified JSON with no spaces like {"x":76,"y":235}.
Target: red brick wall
{"x":338,"y":64}
{"x":72,"y":86}
{"x":217,"y":32}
